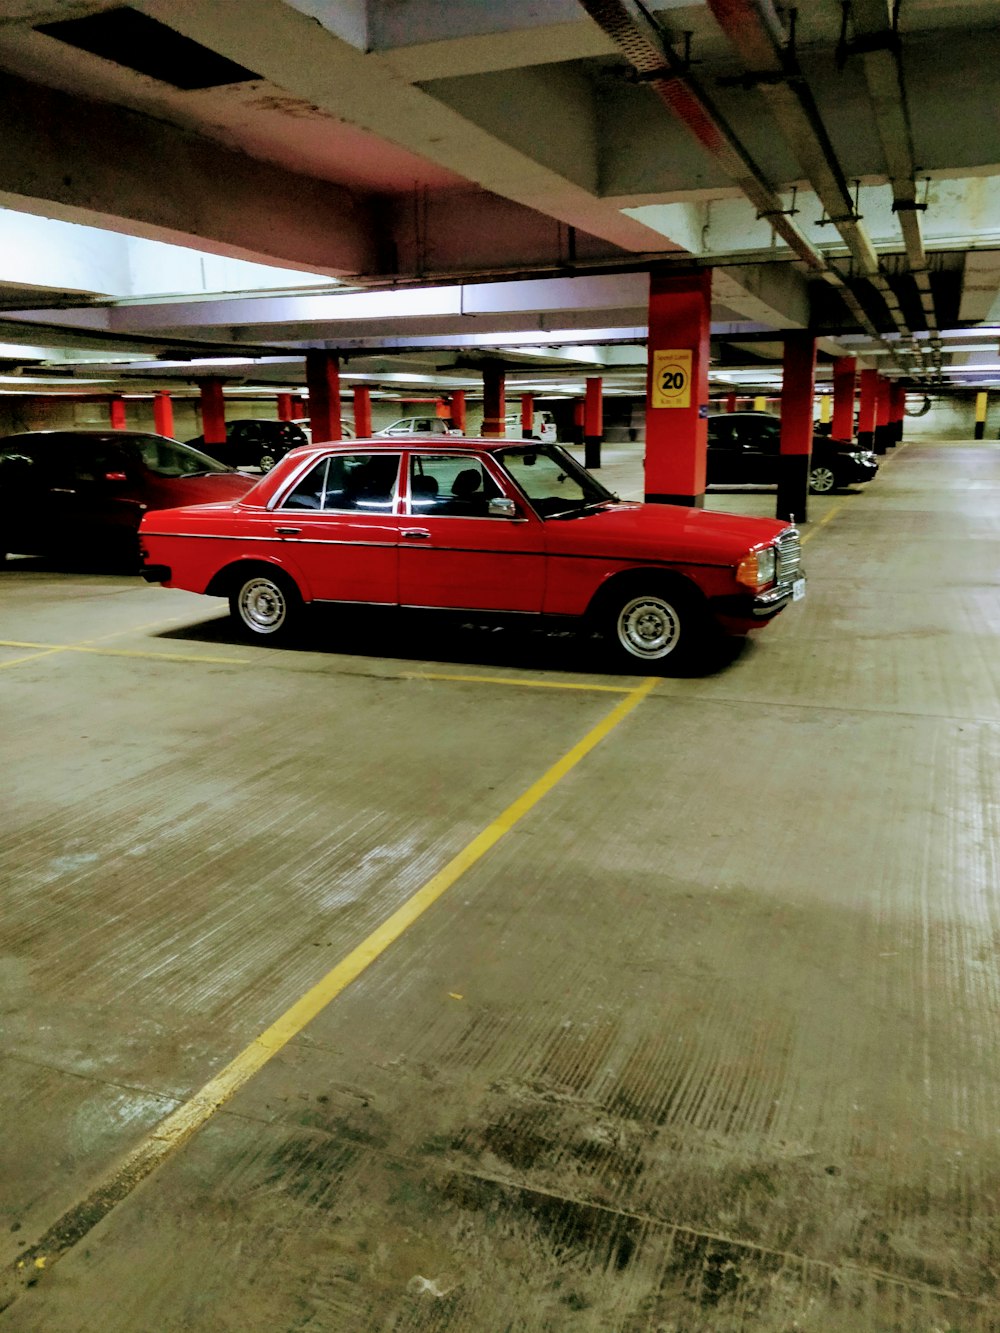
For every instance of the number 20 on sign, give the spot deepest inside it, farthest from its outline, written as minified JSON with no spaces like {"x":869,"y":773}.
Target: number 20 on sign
{"x":671,"y":386}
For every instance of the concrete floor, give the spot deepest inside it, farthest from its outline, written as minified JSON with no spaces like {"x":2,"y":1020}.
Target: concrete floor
{"x":706,"y":1039}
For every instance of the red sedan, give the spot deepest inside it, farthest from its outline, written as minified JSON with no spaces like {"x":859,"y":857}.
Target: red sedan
{"x":475,"y":525}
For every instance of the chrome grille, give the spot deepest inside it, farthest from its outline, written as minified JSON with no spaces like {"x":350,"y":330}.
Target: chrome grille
{"x":789,"y":555}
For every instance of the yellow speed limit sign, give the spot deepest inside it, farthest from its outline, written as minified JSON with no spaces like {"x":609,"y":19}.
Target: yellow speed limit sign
{"x":671,"y":385}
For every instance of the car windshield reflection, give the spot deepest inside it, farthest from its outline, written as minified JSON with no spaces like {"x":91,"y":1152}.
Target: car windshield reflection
{"x":554,"y":482}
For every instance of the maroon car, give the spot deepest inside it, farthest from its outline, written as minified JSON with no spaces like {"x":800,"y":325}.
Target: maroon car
{"x":84,"y":492}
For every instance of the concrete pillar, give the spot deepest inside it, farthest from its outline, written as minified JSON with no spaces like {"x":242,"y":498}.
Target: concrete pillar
{"x":213,"y":412}
{"x":845,"y":374}
{"x":730,"y":402}
{"x":825,"y":409}
{"x":285,"y":411}
{"x":578,"y":420}
{"x":677,"y":388}
{"x":797,"y":392}
{"x":163,"y":413}
{"x":981,"y":401}
{"x":323,"y":382}
{"x":362,"y":412}
{"x":883,"y":434}
{"x":898,"y":412}
{"x":494,"y":410}
{"x":593,"y":422}
{"x":760,"y":404}
{"x":527,"y":415}
{"x":866,"y":409}
{"x":116,"y":412}
{"x":458,"y":409}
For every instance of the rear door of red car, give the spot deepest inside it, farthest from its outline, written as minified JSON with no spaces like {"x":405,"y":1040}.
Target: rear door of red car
{"x":453,"y":552}
{"x":338,"y":528}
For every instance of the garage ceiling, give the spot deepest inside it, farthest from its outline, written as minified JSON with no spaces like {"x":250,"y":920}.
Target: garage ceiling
{"x":432,"y":184}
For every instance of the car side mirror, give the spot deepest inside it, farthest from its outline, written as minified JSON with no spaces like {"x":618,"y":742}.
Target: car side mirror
{"x":501,"y":507}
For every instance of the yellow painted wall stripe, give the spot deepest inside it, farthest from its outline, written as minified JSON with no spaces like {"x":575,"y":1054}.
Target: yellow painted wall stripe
{"x":182,"y":1123}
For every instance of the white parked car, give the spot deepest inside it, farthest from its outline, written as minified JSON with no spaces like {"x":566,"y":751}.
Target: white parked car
{"x":420,"y":426}
{"x":346,"y":429}
{"x":543,"y":427}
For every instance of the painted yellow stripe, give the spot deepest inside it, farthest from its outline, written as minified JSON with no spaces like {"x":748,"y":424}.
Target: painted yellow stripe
{"x":114,"y":652}
{"x":514,"y":680}
{"x":182,"y":1123}
{"x":831,"y":513}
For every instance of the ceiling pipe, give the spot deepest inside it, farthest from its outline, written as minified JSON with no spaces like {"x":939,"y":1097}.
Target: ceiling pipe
{"x":641,"y":41}
{"x":755,"y":31}
{"x":877,"y":42}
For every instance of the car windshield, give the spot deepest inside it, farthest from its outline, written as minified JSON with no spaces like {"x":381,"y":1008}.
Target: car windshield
{"x":554,"y":482}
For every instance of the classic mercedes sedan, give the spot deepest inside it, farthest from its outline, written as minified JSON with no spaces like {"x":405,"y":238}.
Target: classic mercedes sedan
{"x":483,"y":526}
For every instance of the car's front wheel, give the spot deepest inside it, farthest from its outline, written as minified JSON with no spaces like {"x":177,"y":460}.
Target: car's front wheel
{"x":822,"y":479}
{"x":651,"y":624}
{"x":264,"y":605}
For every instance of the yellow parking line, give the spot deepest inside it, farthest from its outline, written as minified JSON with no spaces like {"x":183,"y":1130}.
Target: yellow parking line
{"x":513,"y":680}
{"x":189,"y":1117}
{"x":112,"y":652}
{"x":831,"y":513}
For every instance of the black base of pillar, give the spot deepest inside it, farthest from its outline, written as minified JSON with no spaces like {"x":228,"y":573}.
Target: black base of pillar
{"x":592,"y":451}
{"x":527,"y":433}
{"x":980,"y":430}
{"x":883,"y":439}
{"x":692,"y":501}
{"x":866,"y":441}
{"x":793,"y":487}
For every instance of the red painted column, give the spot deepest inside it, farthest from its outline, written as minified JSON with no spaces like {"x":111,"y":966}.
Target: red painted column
{"x":593,"y":422}
{"x":163,"y":413}
{"x":730,"y":402}
{"x":579,"y":410}
{"x":362,"y":412}
{"x":677,"y":388}
{"x":866,"y":409}
{"x":116,"y":412}
{"x":883,"y":414}
{"x":845,"y":374}
{"x":798,"y":388}
{"x":458,"y":410}
{"x":285,"y":412}
{"x":898,"y":412}
{"x":494,"y":411}
{"x":323,"y":383}
{"x":213,"y":412}
{"x":527,"y":415}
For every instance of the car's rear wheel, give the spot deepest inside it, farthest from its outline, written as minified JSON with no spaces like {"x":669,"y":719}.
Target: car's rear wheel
{"x":652,"y":624}
{"x":265,"y":605}
{"x":267,"y":460}
{"x":822,"y":480}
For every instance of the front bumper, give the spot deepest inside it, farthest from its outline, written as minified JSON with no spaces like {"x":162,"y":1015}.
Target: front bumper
{"x":762,"y":605}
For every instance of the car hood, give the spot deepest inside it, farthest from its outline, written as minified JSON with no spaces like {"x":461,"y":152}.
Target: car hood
{"x":213,"y":487}
{"x":663,"y":532}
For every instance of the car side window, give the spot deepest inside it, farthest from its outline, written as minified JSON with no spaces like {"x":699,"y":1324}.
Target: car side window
{"x":450,"y":484}
{"x":345,"y":482}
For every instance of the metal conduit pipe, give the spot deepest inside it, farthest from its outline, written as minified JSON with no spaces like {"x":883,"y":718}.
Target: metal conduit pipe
{"x":641,"y":42}
{"x":757,"y":35}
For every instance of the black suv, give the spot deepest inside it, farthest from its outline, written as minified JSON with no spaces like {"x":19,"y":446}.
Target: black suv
{"x":743,"y":449}
{"x":254,"y":442}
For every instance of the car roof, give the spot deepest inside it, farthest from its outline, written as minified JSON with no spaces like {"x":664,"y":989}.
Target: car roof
{"x":83,"y":434}
{"x":443,"y":444}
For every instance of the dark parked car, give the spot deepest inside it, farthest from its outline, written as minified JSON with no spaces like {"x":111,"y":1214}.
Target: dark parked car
{"x":743,"y":449}
{"x":254,"y":442}
{"x":84,"y":492}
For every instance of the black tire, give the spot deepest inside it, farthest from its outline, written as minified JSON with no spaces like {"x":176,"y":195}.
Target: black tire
{"x":267,"y":460}
{"x":264,"y":604}
{"x":822,"y":479}
{"x":652,"y":624}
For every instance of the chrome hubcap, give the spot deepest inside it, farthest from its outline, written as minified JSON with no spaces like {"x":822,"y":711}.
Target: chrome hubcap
{"x":822,"y":479}
{"x":262,"y":605}
{"x":649,"y":627}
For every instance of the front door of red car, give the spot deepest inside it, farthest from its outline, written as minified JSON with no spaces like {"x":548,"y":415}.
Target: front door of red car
{"x":336,"y":529}
{"x":454,"y":553}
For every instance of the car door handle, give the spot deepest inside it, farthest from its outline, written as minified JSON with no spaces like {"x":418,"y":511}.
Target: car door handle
{"x":288,"y":532}
{"x":64,"y":490}
{"x":415,"y":532}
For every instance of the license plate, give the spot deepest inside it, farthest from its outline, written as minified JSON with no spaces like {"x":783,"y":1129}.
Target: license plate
{"x":798,"y":590}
